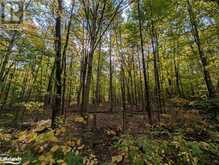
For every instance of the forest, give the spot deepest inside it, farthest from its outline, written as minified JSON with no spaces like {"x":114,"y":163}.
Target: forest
{"x":109,"y":82}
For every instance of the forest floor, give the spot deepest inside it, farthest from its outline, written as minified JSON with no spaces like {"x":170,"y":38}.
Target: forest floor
{"x":98,"y":135}
{"x":102,"y":140}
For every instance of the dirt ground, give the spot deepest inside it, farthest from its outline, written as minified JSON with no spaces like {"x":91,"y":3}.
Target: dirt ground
{"x":99,"y":133}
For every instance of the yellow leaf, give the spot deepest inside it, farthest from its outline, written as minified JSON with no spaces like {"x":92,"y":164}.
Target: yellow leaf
{"x":22,"y":136}
{"x":40,"y":149}
{"x":31,"y":137}
{"x":26,"y":163}
{"x":66,"y":149}
{"x":79,"y":119}
{"x":110,"y":132}
{"x":41,"y":125}
{"x":60,"y":131}
{"x":117,"y":158}
{"x":49,"y":136}
{"x":60,"y":161}
{"x":204,"y":145}
{"x":81,"y":147}
{"x":92,"y":155}
{"x":70,"y":143}
{"x":5,"y":137}
{"x":54,"y":148}
{"x":76,"y":141}
{"x":27,"y":137}
{"x":42,"y":158}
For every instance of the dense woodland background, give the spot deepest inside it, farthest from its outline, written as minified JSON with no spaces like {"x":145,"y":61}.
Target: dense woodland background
{"x":117,"y":81}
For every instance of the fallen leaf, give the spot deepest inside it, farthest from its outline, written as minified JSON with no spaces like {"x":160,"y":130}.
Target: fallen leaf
{"x":80,"y":119}
{"x":54,"y":148}
{"x":117,"y":158}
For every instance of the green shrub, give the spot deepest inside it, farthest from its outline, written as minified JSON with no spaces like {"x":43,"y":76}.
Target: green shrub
{"x":209,"y":106}
{"x":178,"y":151}
{"x":33,"y":106}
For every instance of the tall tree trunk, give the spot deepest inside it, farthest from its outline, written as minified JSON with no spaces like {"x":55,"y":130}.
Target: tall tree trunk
{"x":177,"y":72}
{"x":87,"y":76}
{"x":131,"y":80}
{"x":81,"y":83}
{"x":35,"y":72}
{"x":195,"y":32}
{"x":48,"y":97}
{"x":134,"y":80}
{"x":111,"y":75}
{"x":24,"y":87}
{"x":83,"y":67}
{"x":64,"y":59}
{"x":84,"y":74}
{"x":6,"y":57}
{"x":140,"y":87}
{"x":154,"y":43}
{"x":8,"y":89}
{"x":97,"y":92}
{"x":70,"y":84}
{"x":146,"y":90}
{"x":58,"y":59}
{"x":122,"y":80}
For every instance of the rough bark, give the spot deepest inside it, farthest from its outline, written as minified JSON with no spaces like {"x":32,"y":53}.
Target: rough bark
{"x":64,"y":59}
{"x":203,"y":58}
{"x":58,"y":59}
{"x":111,"y":75}
{"x":146,"y":89}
